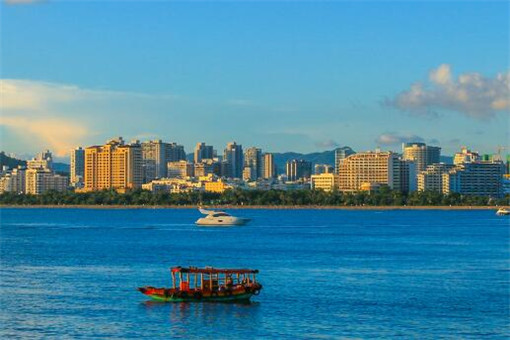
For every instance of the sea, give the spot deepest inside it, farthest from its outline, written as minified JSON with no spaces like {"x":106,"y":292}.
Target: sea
{"x":326,"y":274}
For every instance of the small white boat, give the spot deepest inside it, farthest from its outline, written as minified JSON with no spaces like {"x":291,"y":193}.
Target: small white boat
{"x":219,"y":218}
{"x":503,"y":212}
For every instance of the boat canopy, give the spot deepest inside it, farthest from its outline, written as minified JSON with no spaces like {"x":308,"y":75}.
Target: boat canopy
{"x":211,"y":270}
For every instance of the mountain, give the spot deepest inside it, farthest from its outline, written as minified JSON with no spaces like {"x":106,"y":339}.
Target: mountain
{"x":325,"y":157}
{"x":61,"y":168}
{"x":9,"y":161}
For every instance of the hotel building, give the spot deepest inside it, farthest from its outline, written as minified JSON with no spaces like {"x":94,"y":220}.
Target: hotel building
{"x":156,"y":154}
{"x":180,"y":169}
{"x":369,"y":170}
{"x":466,"y":156}
{"x":481,"y":178}
{"x":326,"y":181}
{"x":37,"y":181}
{"x":113,"y":166}
{"x":340,"y":155}
{"x":431,"y":179}
{"x":422,"y":154}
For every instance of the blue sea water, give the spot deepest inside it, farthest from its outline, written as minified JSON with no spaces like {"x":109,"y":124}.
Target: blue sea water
{"x":73,"y":273}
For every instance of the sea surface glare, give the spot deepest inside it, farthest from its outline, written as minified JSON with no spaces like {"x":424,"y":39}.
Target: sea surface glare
{"x":73,"y":273}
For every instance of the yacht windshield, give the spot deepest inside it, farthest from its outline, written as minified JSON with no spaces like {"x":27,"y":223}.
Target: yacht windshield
{"x":220,"y":215}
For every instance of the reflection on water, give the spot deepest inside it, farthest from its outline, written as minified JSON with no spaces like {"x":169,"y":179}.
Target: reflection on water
{"x":73,"y":273}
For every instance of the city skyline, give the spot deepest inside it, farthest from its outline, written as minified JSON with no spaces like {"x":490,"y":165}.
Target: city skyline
{"x":312,"y":80}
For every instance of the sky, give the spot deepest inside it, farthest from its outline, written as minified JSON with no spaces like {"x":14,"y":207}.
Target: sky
{"x":281,"y":75}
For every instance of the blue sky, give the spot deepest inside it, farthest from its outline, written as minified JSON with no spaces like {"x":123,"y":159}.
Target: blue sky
{"x":285,"y":76}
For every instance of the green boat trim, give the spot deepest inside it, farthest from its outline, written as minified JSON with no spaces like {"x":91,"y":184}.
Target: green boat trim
{"x":239,"y":297}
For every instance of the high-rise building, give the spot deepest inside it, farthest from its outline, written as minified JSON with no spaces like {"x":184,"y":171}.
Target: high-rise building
{"x":113,"y":166}
{"x":481,"y":178}
{"x":174,"y":152}
{"x":248,"y":174}
{"x":253,"y":160}
{"x":39,"y":180}
{"x":298,"y":169}
{"x":77,"y":167}
{"x":422,"y":154}
{"x":407,"y":176}
{"x":206,"y":167}
{"x":466,"y":156}
{"x":43,"y":160}
{"x":325,"y":181}
{"x":340,"y":155}
{"x":431,"y":179}
{"x":233,"y":158}
{"x":13,"y":181}
{"x":323,"y":169}
{"x":180,"y":169}
{"x":156,"y":154}
{"x":203,"y":151}
{"x":269,"y":166}
{"x":370,"y":170}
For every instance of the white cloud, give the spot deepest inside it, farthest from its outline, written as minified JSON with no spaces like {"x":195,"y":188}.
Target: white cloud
{"x":392,"y":138}
{"x":327,"y":144}
{"x":470,"y":94}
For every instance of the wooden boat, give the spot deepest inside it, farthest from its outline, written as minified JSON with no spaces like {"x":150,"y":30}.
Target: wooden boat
{"x":207,"y":285}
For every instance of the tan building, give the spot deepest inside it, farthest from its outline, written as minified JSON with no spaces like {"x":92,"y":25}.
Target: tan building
{"x":369,"y":169}
{"x":432,"y":178}
{"x":113,"y":166}
{"x":156,"y":154}
{"x":180,"y":169}
{"x":466,"y":156}
{"x":269,"y":166}
{"x":43,"y":160}
{"x":206,"y":167}
{"x":326,"y":182}
{"x":172,"y":185}
{"x":253,"y":160}
{"x":14,"y":181}
{"x":37,"y":181}
{"x":422,"y":154}
{"x":218,"y":186}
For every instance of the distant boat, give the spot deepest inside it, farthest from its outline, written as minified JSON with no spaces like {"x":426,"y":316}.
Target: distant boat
{"x":207,"y":285}
{"x":503,"y":212}
{"x":219,"y":218}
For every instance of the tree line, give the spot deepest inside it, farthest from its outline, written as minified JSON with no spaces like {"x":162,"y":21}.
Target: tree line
{"x":382,"y":197}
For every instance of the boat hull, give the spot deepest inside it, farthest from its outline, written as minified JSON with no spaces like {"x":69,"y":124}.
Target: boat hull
{"x":233,"y":298}
{"x":176,"y":295}
{"x":223,"y":223}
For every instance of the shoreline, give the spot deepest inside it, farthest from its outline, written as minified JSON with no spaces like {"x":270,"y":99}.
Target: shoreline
{"x":272,"y":207}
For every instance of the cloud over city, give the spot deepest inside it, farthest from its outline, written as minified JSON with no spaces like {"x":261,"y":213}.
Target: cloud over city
{"x":392,"y":138}
{"x":470,"y":94}
{"x":57,"y":116}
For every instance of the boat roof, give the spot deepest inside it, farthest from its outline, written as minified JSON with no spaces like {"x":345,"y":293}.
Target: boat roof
{"x":211,"y":270}
{"x":211,"y":212}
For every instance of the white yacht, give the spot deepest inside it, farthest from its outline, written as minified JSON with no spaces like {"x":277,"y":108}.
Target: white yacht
{"x":219,"y":218}
{"x":503,"y":211}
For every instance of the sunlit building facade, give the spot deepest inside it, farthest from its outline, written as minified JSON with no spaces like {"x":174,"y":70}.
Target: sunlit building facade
{"x":114,"y":165}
